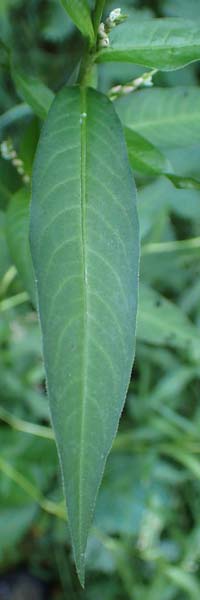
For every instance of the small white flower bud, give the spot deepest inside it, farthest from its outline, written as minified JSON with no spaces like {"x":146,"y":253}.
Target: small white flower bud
{"x":127,"y":89}
{"x":26,"y":179}
{"x":104,"y":42}
{"x":17,"y":162}
{"x":101,"y":30}
{"x":148,"y":81}
{"x":116,"y":89}
{"x":20,"y":170}
{"x":138,"y":81}
{"x":6,"y":150}
{"x":115,"y":15}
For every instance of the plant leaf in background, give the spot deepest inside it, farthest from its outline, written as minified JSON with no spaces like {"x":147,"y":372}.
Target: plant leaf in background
{"x":17,"y":227}
{"x":181,"y":8}
{"x":79,"y":12}
{"x":13,"y":115}
{"x":166,"y":117}
{"x":144,"y":156}
{"x":148,"y":159}
{"x":33,"y":91}
{"x":159,"y":43}
{"x":84,"y":240}
{"x":4,"y":258}
{"x":162,"y":322}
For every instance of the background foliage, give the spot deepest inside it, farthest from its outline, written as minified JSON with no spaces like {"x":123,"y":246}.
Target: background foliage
{"x":146,"y":535}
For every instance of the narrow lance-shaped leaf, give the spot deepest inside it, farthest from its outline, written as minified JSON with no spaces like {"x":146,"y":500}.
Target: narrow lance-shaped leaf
{"x":79,"y":12}
{"x":163,"y":44}
{"x":84,"y":239}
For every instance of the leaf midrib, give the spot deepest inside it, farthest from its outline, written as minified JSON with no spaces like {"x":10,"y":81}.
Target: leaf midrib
{"x":147,"y":48}
{"x":83,"y":197}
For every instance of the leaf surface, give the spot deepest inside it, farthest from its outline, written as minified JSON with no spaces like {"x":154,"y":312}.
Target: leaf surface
{"x":144,"y":156}
{"x":84,"y":238}
{"x":37,"y":95}
{"x":166,"y":117}
{"x":4,"y":257}
{"x":14,"y":114}
{"x":162,"y":322}
{"x":163,"y":44}
{"x":17,"y":231}
{"x":148,"y":159}
{"x":79,"y":12}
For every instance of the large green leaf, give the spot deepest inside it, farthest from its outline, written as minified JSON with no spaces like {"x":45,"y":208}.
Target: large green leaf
{"x":161,"y":43}
{"x":84,"y":239}
{"x":17,"y":226}
{"x":166,"y":117}
{"x":79,"y":12}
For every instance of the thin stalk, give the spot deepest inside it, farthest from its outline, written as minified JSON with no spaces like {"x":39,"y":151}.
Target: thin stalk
{"x":51,"y":507}
{"x":13,"y":301}
{"x":162,"y":247}
{"x":7,"y":280}
{"x":25,"y":426}
{"x":87,"y":63}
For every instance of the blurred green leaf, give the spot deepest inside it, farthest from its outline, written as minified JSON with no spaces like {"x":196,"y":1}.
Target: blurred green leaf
{"x":34,"y":92}
{"x":13,"y":115}
{"x":166,"y":117}
{"x":79,"y":12}
{"x":4,"y":256}
{"x":181,"y":8}
{"x":185,"y":581}
{"x":158,"y":43}
{"x":162,"y":322}
{"x":28,"y":144}
{"x":56,"y":27}
{"x":144,"y":156}
{"x":187,"y":183}
{"x":17,"y":227}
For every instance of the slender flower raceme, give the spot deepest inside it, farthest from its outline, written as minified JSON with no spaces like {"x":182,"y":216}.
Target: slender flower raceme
{"x":9,"y":153}
{"x":114,"y":18}
{"x":144,"y":80}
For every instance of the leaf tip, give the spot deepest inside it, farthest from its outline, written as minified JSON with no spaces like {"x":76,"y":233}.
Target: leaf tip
{"x":80,"y":567}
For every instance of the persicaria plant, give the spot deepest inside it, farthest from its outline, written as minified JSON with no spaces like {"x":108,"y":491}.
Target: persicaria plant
{"x":84,"y":235}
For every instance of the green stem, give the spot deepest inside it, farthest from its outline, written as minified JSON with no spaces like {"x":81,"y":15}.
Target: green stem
{"x":86,"y":68}
{"x":29,"y":488}
{"x":25,"y":426}
{"x":178,"y":245}
{"x":98,"y":11}
{"x":13,"y":301}
{"x":84,"y":78}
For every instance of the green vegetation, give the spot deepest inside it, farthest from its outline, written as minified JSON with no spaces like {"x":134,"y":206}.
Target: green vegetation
{"x":144,"y":539}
